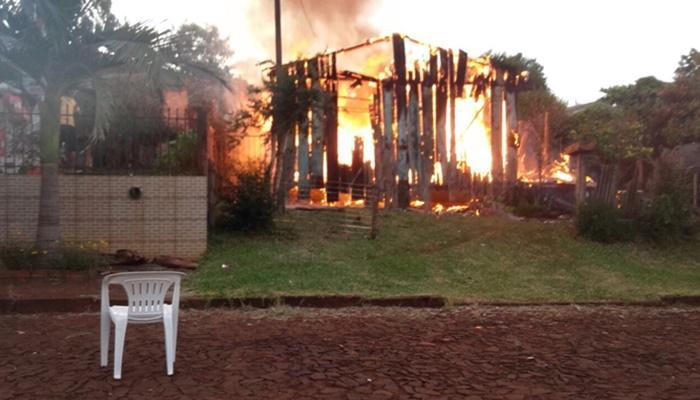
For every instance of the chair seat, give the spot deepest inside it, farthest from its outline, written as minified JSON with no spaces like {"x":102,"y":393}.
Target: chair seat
{"x":120,"y":313}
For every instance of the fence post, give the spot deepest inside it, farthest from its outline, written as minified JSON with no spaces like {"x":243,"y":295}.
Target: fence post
{"x":695,"y":190}
{"x":375,"y":210}
{"x":202,"y":132}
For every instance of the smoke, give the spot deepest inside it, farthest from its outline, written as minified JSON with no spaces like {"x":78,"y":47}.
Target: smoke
{"x":311,"y":26}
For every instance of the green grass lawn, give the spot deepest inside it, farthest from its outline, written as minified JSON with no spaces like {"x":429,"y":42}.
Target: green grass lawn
{"x":461,"y":258}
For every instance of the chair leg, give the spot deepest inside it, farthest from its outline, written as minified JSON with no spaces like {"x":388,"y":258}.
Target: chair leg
{"x":104,"y":339}
{"x":174,"y":323}
{"x":119,"y":334}
{"x":169,"y":344}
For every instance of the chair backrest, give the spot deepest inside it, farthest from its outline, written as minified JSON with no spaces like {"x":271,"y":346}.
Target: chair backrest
{"x":145,"y":290}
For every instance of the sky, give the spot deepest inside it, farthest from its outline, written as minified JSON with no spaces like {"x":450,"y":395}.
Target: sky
{"x":583,"y":45}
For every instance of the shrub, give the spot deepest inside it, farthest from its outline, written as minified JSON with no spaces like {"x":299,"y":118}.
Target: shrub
{"x":602,"y":222}
{"x":668,"y":216}
{"x":249,"y":206}
{"x":67,"y":256}
{"x":78,"y":257}
{"x":181,"y":157}
{"x":18,"y":256}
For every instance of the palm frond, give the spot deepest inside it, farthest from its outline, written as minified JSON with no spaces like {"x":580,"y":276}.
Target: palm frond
{"x":104,"y":107}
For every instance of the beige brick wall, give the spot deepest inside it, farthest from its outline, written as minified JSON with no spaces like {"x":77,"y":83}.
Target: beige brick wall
{"x":170,"y":218}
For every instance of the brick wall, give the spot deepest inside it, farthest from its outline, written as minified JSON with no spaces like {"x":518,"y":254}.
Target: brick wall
{"x":170,"y":218}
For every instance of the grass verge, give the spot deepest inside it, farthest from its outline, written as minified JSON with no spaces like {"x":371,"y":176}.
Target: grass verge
{"x":460,"y":258}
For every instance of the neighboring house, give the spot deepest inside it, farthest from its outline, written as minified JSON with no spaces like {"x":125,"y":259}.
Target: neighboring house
{"x":18,"y":127}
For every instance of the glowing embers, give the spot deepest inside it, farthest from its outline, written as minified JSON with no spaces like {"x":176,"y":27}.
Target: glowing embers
{"x":474,"y":207}
{"x":317,"y":197}
{"x":559,"y":171}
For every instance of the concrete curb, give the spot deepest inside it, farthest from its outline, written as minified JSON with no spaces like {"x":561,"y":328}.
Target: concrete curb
{"x":92,"y":303}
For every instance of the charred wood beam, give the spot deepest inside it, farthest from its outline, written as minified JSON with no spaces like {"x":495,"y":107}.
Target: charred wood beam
{"x":303,"y":136}
{"x":388,"y":184}
{"x":461,"y":78}
{"x":332,"y":132}
{"x":401,"y":115}
{"x":318,"y":125}
{"x":350,"y":75}
{"x":497,"y":132}
{"x":357,"y":178}
{"x":452,"y":165}
{"x":427,"y":148}
{"x":375,"y":120}
{"x":415,"y":161}
{"x":512,"y":137}
{"x":441,"y":112}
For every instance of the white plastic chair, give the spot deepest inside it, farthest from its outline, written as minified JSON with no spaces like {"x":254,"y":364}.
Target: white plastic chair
{"x":146,"y":293}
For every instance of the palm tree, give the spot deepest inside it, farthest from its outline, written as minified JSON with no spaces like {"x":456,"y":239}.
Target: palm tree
{"x":52,"y":47}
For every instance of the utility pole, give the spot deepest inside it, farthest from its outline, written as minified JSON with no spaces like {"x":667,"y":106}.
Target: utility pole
{"x":279,"y":139}
{"x":278,"y":38}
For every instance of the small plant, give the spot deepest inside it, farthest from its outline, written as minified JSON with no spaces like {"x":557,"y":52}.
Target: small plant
{"x":602,"y":222}
{"x":249,"y":206}
{"x":76,"y":256}
{"x":18,"y":256}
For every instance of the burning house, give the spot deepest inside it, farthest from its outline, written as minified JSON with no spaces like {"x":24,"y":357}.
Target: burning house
{"x":423,"y":125}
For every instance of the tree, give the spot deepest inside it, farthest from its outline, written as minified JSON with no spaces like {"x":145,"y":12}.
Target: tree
{"x":681,"y":103}
{"x":641,"y":101}
{"x":51,"y":47}
{"x":287,"y":98}
{"x":535,"y":101}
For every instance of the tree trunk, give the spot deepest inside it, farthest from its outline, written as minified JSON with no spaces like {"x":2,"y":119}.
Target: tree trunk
{"x":48,"y":230}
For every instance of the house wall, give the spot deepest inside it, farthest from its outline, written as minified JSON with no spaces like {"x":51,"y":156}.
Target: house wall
{"x":170,"y":218}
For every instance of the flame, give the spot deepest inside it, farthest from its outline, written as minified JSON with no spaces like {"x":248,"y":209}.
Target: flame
{"x":437,"y":174}
{"x":473,"y":144}
{"x":417,"y":203}
{"x":560,"y":172}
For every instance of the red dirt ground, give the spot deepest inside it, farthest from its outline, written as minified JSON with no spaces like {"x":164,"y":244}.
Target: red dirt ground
{"x":368,"y":353}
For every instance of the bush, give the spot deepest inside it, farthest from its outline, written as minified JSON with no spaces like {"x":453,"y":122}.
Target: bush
{"x":249,"y":206}
{"x":181,"y":157}
{"x":602,"y":222}
{"x":18,"y":256}
{"x":668,"y":216}
{"x":67,"y":256}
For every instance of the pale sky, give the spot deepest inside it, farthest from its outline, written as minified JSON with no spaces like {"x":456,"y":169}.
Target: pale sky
{"x":583,"y":45}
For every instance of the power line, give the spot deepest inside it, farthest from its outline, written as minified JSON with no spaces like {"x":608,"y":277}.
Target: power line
{"x":306,"y":16}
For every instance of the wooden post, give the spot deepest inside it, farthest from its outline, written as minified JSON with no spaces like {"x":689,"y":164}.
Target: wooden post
{"x":357,"y":169}
{"x":318,"y":124}
{"x":428,"y":132}
{"x":695,"y":190}
{"x":496,"y":132}
{"x":332,"y":135}
{"x":580,"y":192}
{"x":204,"y":165}
{"x":546,"y":158}
{"x":413,"y":135}
{"x":374,"y":224}
{"x":375,"y":118}
{"x":441,"y":112}
{"x":303,"y":136}
{"x":511,"y":149}
{"x":452,"y":165}
{"x":461,"y":77}
{"x":402,"y":119}
{"x":388,"y":175}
